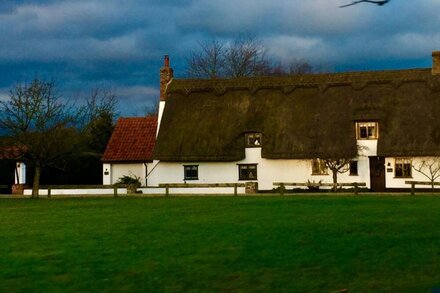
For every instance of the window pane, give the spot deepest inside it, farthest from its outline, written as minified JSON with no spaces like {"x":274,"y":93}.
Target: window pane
{"x":399,"y":170}
{"x":407,"y":170}
{"x":353,"y":168}
{"x":253,"y":139}
{"x":191,"y":172}
{"x":247,"y":172}
{"x":363,"y":132}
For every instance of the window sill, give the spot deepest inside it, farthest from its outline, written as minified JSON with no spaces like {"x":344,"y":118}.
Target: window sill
{"x":190,"y":179}
{"x":367,"y":138}
{"x":248,"y":179}
{"x":353,"y":175}
{"x":403,"y":177}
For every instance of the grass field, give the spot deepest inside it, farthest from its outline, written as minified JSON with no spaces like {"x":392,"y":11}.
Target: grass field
{"x":295,"y":244}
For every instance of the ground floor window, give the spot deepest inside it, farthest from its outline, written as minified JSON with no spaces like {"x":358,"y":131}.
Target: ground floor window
{"x":191,"y":172}
{"x":353,"y":168}
{"x":247,"y":172}
{"x":319,"y":167}
{"x":403,"y":168}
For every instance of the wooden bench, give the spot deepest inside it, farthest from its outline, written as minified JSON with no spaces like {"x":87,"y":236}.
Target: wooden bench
{"x":283,"y":185}
{"x":414,"y":183}
{"x":167,"y":186}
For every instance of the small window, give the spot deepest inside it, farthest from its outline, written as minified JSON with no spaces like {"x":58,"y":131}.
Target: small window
{"x":354,"y":168}
{"x":319,"y":167}
{"x":403,"y":168}
{"x":253,"y":140}
{"x":247,"y":172}
{"x":191,"y":172}
{"x":367,"y":130}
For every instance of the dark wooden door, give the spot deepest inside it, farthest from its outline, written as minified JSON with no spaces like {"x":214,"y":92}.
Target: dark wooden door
{"x":377,"y":173}
{"x":7,"y":169}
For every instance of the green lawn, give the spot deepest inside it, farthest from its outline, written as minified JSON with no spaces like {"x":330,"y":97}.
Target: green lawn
{"x":299,"y":244}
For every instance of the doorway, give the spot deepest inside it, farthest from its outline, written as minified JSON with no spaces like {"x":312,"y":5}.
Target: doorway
{"x":377,"y":173}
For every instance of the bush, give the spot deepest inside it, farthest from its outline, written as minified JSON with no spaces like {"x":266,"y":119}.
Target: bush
{"x":125,"y":180}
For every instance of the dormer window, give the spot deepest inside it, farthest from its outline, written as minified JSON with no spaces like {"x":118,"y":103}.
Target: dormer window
{"x":367,"y":130}
{"x":253,"y":140}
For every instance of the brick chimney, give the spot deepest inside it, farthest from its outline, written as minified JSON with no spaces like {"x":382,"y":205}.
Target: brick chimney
{"x":436,"y":63}
{"x":166,"y":74}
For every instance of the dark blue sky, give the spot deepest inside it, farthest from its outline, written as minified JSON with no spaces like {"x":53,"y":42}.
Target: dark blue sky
{"x":119,"y":44}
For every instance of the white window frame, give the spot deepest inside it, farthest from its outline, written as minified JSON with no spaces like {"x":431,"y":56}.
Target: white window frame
{"x":367,"y":126}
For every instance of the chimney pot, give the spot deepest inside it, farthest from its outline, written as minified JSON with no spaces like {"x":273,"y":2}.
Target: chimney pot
{"x":436,"y":63}
{"x":166,"y":75}
{"x":166,"y":61}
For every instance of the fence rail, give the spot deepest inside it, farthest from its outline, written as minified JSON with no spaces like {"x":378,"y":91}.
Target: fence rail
{"x":414,"y":183}
{"x":167,"y":186}
{"x":50,"y":188}
{"x":283,"y":185}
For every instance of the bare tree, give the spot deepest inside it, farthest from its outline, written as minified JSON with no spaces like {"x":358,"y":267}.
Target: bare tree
{"x":208,"y":61}
{"x":245,"y":56}
{"x":378,"y":2}
{"x":98,"y":116}
{"x":39,"y":124}
{"x":430,"y":168}
{"x":337,"y":166}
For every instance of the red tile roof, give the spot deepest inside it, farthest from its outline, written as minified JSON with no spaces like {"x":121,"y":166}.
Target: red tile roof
{"x":132,"y":140}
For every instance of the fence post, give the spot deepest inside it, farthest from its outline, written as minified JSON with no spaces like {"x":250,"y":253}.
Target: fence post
{"x":48,"y":192}
{"x":235,"y":189}
{"x":115,"y":191}
{"x":355,"y":188}
{"x":167,"y":190}
{"x":281,"y":189}
{"x":413,"y":188}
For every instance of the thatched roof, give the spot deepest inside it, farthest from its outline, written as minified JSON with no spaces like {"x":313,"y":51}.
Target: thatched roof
{"x":300,"y":117}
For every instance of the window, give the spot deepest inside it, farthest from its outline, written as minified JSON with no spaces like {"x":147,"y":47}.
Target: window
{"x":319,"y":167}
{"x":403,"y":168}
{"x":367,"y":130}
{"x":247,"y":172}
{"x":354,"y":168}
{"x":253,"y":140}
{"x":191,"y":172}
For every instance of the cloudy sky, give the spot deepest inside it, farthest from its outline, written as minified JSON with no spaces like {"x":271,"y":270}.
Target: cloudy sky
{"x":119,"y":44}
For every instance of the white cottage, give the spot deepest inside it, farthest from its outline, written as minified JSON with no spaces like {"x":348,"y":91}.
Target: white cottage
{"x":283,"y":129}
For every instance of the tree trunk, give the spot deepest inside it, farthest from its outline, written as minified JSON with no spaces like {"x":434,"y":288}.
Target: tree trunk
{"x":36,"y":183}
{"x":432,"y":184}
{"x":335,"y":179}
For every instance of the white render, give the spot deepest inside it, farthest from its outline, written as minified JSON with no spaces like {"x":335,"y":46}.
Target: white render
{"x":112,"y":172}
{"x":70,"y":192}
{"x":268,"y":171}
{"x":392,"y":182}
{"x":160,"y":114}
{"x":20,"y":173}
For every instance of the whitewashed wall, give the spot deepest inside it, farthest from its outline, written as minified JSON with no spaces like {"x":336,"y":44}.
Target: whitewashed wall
{"x":268,"y":171}
{"x":392,"y":182}
{"x":116,"y":171}
{"x":20,"y":173}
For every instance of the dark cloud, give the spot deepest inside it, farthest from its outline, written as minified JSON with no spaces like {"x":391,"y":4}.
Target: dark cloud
{"x":84,"y":43}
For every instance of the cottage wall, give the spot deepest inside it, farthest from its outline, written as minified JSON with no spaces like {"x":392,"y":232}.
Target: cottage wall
{"x":393,"y":182}
{"x":112,"y":172}
{"x":269,"y":171}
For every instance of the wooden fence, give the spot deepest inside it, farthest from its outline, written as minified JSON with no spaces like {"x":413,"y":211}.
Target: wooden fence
{"x":283,"y":185}
{"x":414,"y":183}
{"x":167,"y":186}
{"x":113,"y":188}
